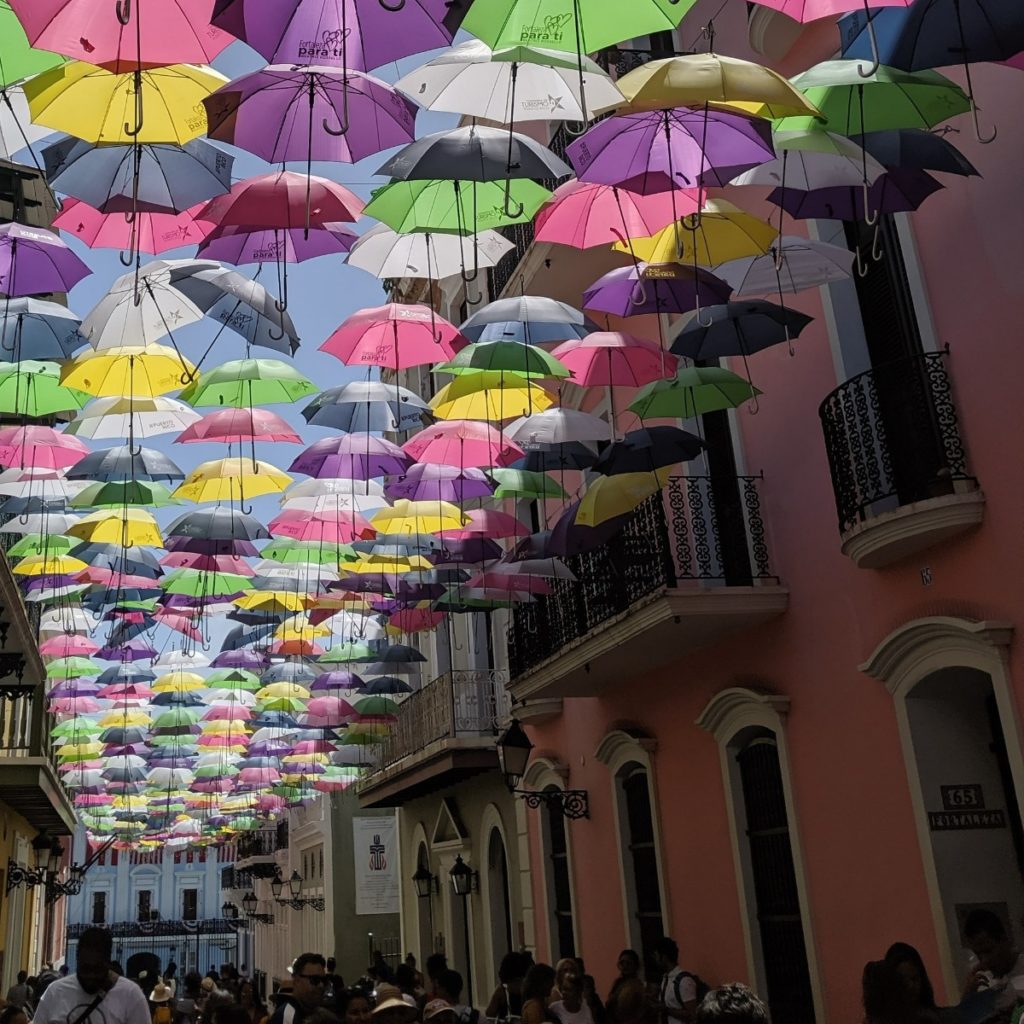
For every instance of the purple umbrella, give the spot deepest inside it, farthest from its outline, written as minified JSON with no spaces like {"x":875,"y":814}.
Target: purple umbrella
{"x":34,"y":261}
{"x":567,"y":538}
{"x":633,"y":291}
{"x":352,"y":457}
{"x":350,"y":33}
{"x":76,"y":688}
{"x":472,"y":549}
{"x":900,"y":190}
{"x":664,"y":150}
{"x":239,"y":245}
{"x":338,"y":680}
{"x":205,"y":546}
{"x":133,"y":650}
{"x":430,"y":482}
{"x":312,"y":113}
{"x":247,"y":659}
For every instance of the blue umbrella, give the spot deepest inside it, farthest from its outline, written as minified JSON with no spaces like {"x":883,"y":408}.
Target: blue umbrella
{"x":124,"y":675}
{"x":914,"y":148}
{"x":34,"y":329}
{"x":126,"y":463}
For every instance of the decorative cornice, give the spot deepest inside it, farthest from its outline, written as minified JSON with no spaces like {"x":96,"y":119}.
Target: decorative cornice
{"x":730,"y":707}
{"x":614,"y":742}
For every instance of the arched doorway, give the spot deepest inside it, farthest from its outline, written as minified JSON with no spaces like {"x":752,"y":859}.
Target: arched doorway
{"x":499,"y":906}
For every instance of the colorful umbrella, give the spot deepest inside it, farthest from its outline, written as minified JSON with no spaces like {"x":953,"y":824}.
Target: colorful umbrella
{"x":396,"y":336}
{"x":148,"y":232}
{"x":34,"y":261}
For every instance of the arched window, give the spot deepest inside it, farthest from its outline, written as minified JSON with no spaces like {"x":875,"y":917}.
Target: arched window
{"x":499,"y":904}
{"x":643,"y":889}
{"x":556,"y":855}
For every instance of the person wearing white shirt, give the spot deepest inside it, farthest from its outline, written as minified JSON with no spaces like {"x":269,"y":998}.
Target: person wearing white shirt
{"x":94,"y":994}
{"x":678,"y":993}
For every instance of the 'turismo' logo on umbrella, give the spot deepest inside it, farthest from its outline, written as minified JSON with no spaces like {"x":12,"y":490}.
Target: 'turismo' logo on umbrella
{"x":549,"y":30}
{"x":378,"y":861}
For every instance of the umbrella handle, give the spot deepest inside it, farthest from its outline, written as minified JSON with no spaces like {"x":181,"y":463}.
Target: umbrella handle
{"x":875,"y":61}
{"x":638,"y":297}
{"x":392,"y":7}
{"x":862,"y":270}
{"x":137,"y":78}
{"x":876,"y":250}
{"x":342,"y":130}
{"x":123,"y":9}
{"x":512,"y":211}
{"x":869,"y":218}
{"x":983,"y":139}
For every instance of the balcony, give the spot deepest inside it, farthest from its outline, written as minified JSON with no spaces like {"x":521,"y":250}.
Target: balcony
{"x":160,"y":928}
{"x":898,"y":465}
{"x":256,"y":852}
{"x":690,"y":567}
{"x":445,"y":734}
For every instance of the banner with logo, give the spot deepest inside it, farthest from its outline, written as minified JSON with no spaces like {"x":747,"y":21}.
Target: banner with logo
{"x":375,"y":842}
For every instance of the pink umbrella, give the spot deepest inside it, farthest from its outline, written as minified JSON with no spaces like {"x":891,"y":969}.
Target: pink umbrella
{"x":316,"y":746}
{"x":300,"y":525}
{"x":75,"y":706}
{"x":489,"y":521}
{"x":208,"y":563}
{"x":227,"y":713}
{"x":68,"y":646}
{"x":416,"y":620}
{"x":232,"y":426}
{"x":506,"y":582}
{"x":93,"y":800}
{"x":584,"y":215}
{"x":124,"y":692}
{"x":463,"y":443}
{"x":259,"y":776}
{"x":151,"y":232}
{"x":39,"y":447}
{"x":171,"y":32}
{"x":112,"y":579}
{"x":184,"y":624}
{"x":334,"y":710}
{"x":396,"y":336}
{"x":612,"y":359}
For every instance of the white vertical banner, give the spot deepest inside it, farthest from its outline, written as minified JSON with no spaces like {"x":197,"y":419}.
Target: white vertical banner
{"x":375,"y":844}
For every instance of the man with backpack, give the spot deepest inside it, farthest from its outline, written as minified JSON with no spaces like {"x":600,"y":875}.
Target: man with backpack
{"x":680,"y":991}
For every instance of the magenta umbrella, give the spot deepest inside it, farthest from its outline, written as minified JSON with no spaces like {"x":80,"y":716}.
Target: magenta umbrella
{"x":429,"y":482}
{"x":231,"y":426}
{"x":321,"y":528}
{"x":40,"y":447}
{"x":489,"y":521}
{"x":613,"y":359}
{"x":34,"y":261}
{"x":396,"y":336}
{"x":150,"y":232}
{"x":463,"y":443}
{"x":239,"y":245}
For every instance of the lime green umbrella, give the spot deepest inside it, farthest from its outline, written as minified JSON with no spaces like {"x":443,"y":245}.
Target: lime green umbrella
{"x":43,"y":544}
{"x":287,"y":551}
{"x":525,"y":483}
{"x":197,"y":583}
{"x":174,"y":717}
{"x":80,"y":726}
{"x":887,"y":99}
{"x":455,"y":207}
{"x":146,"y":605}
{"x":245,"y":383}
{"x":239,"y":679}
{"x":344,"y":653}
{"x":506,"y":356}
{"x":375,"y":707}
{"x":18,"y":58}
{"x":215,"y":771}
{"x":118,"y":493}
{"x":693,"y":391}
{"x":32,"y":388}
{"x":289,"y":704}
{"x":551,"y":24}
{"x":71,"y":668}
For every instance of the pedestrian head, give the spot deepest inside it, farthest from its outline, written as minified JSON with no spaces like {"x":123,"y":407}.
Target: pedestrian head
{"x":12,"y":1014}
{"x":906,"y":959}
{"x":564,"y":968}
{"x":436,"y":963}
{"x":94,"y":950}
{"x":666,"y":953}
{"x":309,"y":977}
{"x":731,"y":1004}
{"x":538,"y":983}
{"x":405,"y":978}
{"x":437,"y":1011}
{"x":513,"y":968}
{"x":628,"y":963}
{"x":886,"y":998}
{"x":410,"y":960}
{"x":990,"y":942}
{"x":332,"y":965}
{"x":448,"y":986}
{"x":391,"y":1008}
{"x":358,"y":1007}
{"x":172,"y":970}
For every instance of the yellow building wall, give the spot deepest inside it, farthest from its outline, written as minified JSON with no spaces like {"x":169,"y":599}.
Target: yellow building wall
{"x":19,"y":909}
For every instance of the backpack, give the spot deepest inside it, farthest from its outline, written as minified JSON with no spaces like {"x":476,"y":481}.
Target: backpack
{"x":702,"y":987}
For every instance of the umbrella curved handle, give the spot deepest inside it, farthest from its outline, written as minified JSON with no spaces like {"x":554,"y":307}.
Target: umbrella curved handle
{"x":272,"y":335}
{"x":341,"y":130}
{"x":126,"y":262}
{"x":700,"y":318}
{"x":870,"y":218}
{"x":983,"y":139}
{"x":510,"y":210}
{"x":123,"y":9}
{"x":876,"y":249}
{"x":394,"y":8}
{"x":778,"y":257}
{"x":186,"y":378}
{"x":862,"y":270}
{"x":245,"y":509}
{"x":875,"y":61}
{"x":638,"y":293}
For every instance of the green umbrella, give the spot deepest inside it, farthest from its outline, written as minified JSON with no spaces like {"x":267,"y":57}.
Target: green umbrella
{"x":238,"y":679}
{"x":506,"y":356}
{"x":455,"y":207}
{"x":174,"y":717}
{"x":147,"y":605}
{"x":887,"y":99}
{"x":119,"y":493}
{"x":71,"y":668}
{"x":18,"y":59}
{"x":215,"y":771}
{"x":245,"y":383}
{"x":693,"y":391}
{"x":551,"y":24}
{"x":31,"y":388}
{"x":525,"y":483}
{"x":197,"y":583}
{"x":80,"y":726}
{"x":374,"y":707}
{"x":288,"y":551}
{"x":344,"y":653}
{"x":43,"y":544}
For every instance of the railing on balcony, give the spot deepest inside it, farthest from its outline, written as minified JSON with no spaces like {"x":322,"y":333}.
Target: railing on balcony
{"x":456,"y":705}
{"x":702,"y":531}
{"x":231,"y":878}
{"x":20,"y":735}
{"x":131,"y":929}
{"x":892,"y":438}
{"x":263,"y":843}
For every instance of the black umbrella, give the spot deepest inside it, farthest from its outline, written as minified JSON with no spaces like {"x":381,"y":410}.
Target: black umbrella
{"x":218,"y":524}
{"x":385,"y":685}
{"x":642,"y":451}
{"x":738,"y":329}
{"x":124,"y":675}
{"x":397,"y":653}
{"x":569,"y":455}
{"x":33,"y":505}
{"x":126,"y":463}
{"x":241,"y":636}
{"x":567,"y":538}
{"x":915,"y":148}
{"x":124,"y":736}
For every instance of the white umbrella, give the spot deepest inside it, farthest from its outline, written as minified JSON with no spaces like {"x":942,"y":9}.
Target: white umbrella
{"x":112,"y":417}
{"x":16,"y":128}
{"x":67,"y":620}
{"x":558,"y":426}
{"x":225,"y":698}
{"x":338,"y":505}
{"x":42,"y":487}
{"x":176,"y":659}
{"x":472,"y":79}
{"x":804,"y":264}
{"x":385,"y":253}
{"x":354,"y":627}
{"x":314,"y":488}
{"x":176,"y":778}
{"x":829,"y":161}
{"x":41,"y":522}
{"x":310,"y":573}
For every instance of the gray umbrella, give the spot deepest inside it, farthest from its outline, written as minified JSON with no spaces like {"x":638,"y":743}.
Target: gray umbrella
{"x":475,"y":153}
{"x":218,"y":524}
{"x":366,"y":406}
{"x":170,"y":178}
{"x":534,"y":319}
{"x":34,"y":329}
{"x":289,"y":672}
{"x":126,"y":463}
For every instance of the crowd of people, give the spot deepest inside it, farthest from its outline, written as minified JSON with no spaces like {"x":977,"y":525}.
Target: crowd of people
{"x":896,"y":990}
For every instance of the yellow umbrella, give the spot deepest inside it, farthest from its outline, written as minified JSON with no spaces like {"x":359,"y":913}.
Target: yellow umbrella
{"x":419,"y":517}
{"x":300,"y":628}
{"x":178,"y":682}
{"x":125,"y":526}
{"x":290,"y":690}
{"x":100,"y":106}
{"x":144,"y":370}
{"x":124,"y":717}
{"x":341,"y":600}
{"x":79,"y":751}
{"x":720,"y":233}
{"x":272,"y":601}
{"x":236,"y":477}
{"x":695,"y":79}
{"x":611,"y":496}
{"x":388,"y":564}
{"x":49,"y":565}
{"x":489,"y":395}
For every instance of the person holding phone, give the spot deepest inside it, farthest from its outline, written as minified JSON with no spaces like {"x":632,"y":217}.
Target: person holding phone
{"x":94,"y":994}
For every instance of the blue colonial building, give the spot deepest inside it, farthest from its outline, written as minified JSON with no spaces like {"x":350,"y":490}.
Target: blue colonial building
{"x":166,"y":902}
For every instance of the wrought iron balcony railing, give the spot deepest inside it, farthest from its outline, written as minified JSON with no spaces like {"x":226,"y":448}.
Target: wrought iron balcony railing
{"x":892,"y":438}
{"x":702,"y":531}
{"x":455,"y":705}
{"x":129,"y":929}
{"x":264,"y":843}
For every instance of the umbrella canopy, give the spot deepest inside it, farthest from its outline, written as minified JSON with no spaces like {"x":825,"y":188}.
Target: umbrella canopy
{"x":805,"y":263}
{"x":246,"y":382}
{"x":611,"y":358}
{"x":396,"y":336}
{"x":366,"y":406}
{"x":47,"y":330}
{"x":738,"y":329}
{"x":694,"y":391}
{"x":148,"y":232}
{"x":34,"y":261}
{"x":385,"y":253}
{"x":243,"y":245}
{"x":118,"y":417}
{"x":630,"y":291}
{"x":647,"y":450}
{"x":535,"y":319}
{"x":462,"y":443}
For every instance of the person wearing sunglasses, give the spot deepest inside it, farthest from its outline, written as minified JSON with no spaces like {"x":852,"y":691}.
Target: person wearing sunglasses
{"x":309,"y":979}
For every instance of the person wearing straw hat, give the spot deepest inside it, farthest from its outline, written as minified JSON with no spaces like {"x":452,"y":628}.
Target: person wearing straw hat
{"x":162,"y":1003}
{"x":392,"y":1008}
